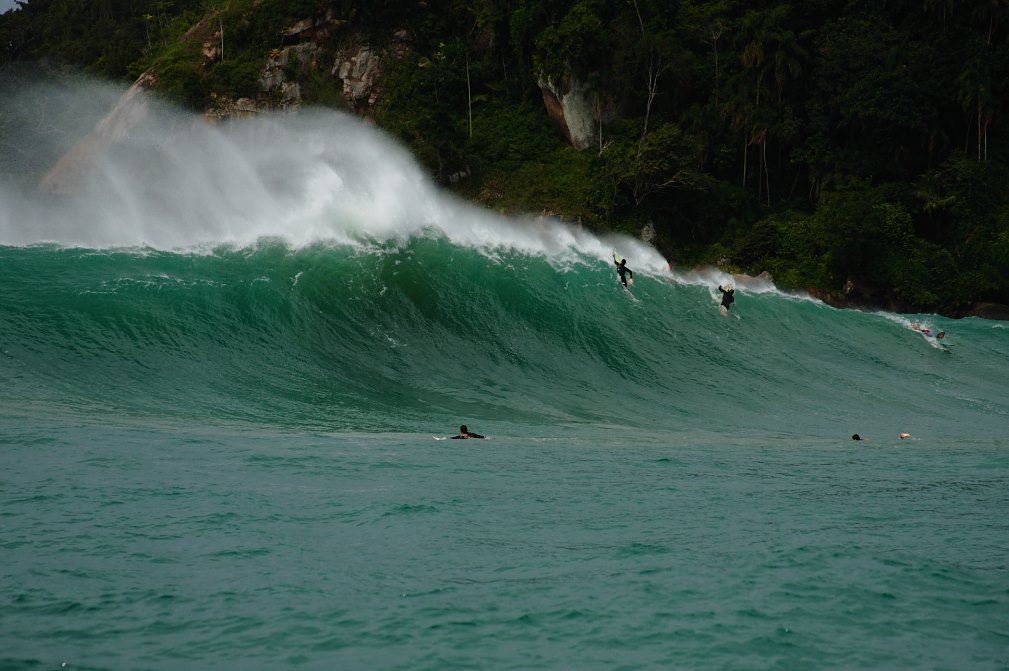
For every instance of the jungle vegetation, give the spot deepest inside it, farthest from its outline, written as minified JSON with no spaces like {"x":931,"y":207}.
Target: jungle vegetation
{"x":824,"y":141}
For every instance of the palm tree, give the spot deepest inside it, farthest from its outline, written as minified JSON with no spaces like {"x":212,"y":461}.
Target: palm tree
{"x":771,"y":48}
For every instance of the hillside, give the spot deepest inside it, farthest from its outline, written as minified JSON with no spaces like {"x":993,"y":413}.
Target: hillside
{"x":853,"y":149}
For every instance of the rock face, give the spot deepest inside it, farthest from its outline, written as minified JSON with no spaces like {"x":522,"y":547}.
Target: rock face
{"x":359,"y":73}
{"x":226,"y":108}
{"x":360,"y":68}
{"x":67,"y":175}
{"x":572,"y":107}
{"x":300,"y":57}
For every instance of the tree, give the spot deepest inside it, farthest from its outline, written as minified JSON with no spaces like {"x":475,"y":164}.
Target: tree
{"x":769,"y":50}
{"x":663,"y":159}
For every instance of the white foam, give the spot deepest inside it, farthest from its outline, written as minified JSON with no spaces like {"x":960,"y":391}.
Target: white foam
{"x":176,"y":182}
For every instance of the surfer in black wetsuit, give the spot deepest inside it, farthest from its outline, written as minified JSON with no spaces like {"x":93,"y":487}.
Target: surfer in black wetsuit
{"x":622,"y":269}
{"x":727,"y":298}
{"x":464,"y":432}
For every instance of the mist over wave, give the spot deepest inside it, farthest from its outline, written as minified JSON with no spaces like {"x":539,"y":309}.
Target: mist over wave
{"x":225,"y":350}
{"x":301,"y":271}
{"x":169,"y":180}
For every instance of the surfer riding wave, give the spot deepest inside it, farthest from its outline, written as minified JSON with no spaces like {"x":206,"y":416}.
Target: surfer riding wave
{"x":622,"y":269}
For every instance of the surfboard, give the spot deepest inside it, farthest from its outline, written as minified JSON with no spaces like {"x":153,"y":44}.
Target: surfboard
{"x":931,"y":336}
{"x":447,"y":438}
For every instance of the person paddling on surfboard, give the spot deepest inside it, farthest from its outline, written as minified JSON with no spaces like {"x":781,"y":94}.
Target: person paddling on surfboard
{"x":622,"y":269}
{"x":464,"y":432}
{"x":928,"y":332}
{"x":727,"y":296}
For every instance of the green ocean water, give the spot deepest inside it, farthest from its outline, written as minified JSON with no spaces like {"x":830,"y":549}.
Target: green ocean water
{"x":217,"y":451}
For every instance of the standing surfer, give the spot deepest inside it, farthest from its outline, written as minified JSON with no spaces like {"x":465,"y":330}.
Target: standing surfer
{"x":622,"y":269}
{"x":727,"y":297}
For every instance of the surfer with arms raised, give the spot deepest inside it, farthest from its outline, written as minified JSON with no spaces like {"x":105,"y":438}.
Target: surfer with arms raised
{"x":622,"y":269}
{"x":727,"y":298}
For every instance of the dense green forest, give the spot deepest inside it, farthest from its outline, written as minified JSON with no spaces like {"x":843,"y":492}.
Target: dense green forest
{"x":824,"y":141}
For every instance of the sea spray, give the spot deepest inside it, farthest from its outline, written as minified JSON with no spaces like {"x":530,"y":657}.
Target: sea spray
{"x":170,"y":180}
{"x":219,"y":394}
{"x":301,"y":271}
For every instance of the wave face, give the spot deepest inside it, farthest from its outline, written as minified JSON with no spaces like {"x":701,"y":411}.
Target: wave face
{"x":301,"y":273}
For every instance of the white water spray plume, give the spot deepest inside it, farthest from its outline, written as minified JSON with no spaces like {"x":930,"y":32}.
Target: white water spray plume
{"x":149,"y":175}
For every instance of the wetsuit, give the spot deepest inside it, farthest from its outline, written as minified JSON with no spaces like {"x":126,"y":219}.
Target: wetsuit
{"x":622,"y":269}
{"x":727,"y":297}
{"x":467,"y":435}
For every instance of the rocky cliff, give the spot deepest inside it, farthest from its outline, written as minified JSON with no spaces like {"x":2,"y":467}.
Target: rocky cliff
{"x":356,"y":65}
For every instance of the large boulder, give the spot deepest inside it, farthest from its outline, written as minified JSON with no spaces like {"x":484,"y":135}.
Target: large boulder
{"x":573,"y":107}
{"x":359,"y":72}
{"x":360,"y":67}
